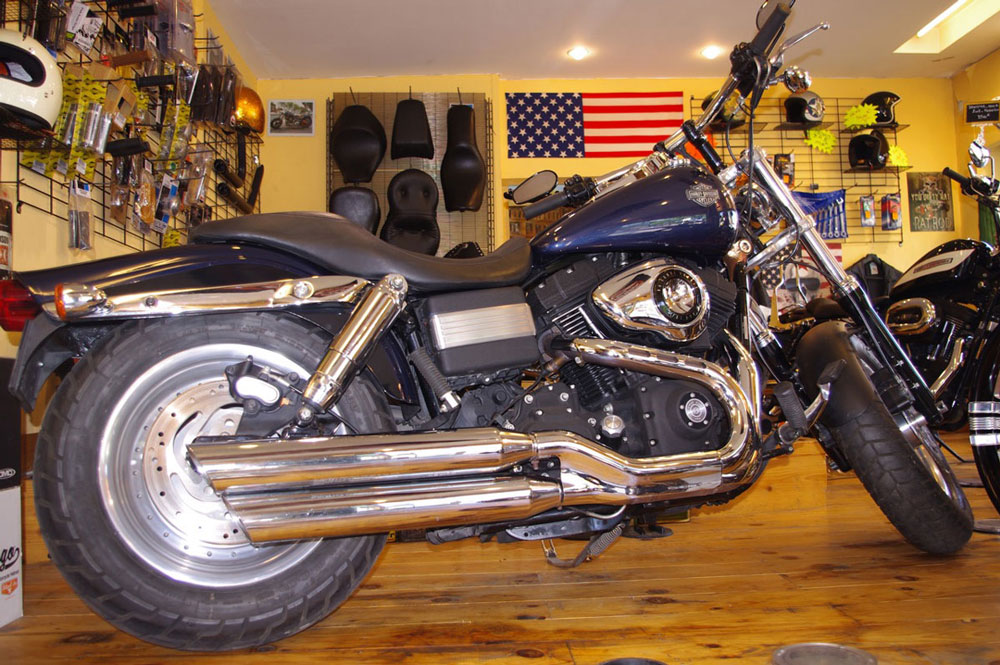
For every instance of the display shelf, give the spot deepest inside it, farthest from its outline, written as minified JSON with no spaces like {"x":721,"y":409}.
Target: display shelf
{"x":886,"y":128}
{"x":802,"y":126}
{"x":888,"y":169}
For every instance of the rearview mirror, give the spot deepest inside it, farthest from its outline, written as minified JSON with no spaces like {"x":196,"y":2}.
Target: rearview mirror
{"x":979,"y":154}
{"x":535,"y":187}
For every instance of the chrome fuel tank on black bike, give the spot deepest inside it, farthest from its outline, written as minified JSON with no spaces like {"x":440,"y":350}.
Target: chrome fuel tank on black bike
{"x":681,"y":210}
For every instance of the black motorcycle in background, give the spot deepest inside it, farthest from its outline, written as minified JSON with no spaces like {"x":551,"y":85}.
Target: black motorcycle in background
{"x":945,"y":310}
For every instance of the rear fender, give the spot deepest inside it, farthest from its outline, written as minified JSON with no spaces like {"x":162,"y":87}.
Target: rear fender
{"x":47,"y":343}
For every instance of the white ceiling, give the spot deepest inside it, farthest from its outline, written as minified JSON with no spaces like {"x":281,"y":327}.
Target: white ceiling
{"x":520,"y":39}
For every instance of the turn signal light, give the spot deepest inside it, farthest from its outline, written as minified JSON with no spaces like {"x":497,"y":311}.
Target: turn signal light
{"x":17,"y":307}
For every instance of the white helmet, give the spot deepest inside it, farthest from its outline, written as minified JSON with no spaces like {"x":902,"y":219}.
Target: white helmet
{"x":30,"y":80}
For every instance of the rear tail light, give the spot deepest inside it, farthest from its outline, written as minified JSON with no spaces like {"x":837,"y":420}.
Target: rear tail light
{"x":17,"y":307}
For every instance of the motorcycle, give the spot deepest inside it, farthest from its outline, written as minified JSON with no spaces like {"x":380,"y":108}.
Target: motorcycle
{"x":944,"y":310}
{"x":290,"y":120}
{"x":244,"y":418}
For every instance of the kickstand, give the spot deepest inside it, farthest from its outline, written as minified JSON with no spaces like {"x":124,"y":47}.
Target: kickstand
{"x":951,"y":450}
{"x":987,"y":526}
{"x":593,"y":549}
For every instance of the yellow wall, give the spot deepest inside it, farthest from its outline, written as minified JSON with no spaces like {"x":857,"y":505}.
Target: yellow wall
{"x":296,"y":179}
{"x":979,"y":82}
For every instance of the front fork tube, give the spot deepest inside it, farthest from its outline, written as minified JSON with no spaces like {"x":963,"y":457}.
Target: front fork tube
{"x":349,"y":350}
{"x":849,"y":293}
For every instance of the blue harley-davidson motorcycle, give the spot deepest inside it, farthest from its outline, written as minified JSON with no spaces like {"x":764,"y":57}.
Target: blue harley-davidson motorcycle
{"x":246,"y":417}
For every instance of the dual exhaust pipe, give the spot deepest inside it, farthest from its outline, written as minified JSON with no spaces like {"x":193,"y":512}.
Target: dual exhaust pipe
{"x":352,"y":485}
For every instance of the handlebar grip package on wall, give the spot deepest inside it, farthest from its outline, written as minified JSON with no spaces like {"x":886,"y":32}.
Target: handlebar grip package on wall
{"x":81,"y":231}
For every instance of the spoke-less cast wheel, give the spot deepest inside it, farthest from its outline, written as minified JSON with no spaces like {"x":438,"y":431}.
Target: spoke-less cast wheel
{"x":138,"y":533}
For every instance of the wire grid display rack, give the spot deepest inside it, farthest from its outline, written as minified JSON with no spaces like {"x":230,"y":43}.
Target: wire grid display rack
{"x":50,"y":195}
{"x":816,"y":171}
{"x":456,"y":227}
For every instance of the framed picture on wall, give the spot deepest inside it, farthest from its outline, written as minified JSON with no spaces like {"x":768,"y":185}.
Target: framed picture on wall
{"x":291,"y":117}
{"x":930,"y":202}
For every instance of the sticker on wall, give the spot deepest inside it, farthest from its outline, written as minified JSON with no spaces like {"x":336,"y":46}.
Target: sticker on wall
{"x":291,"y":117}
{"x":930,"y":202}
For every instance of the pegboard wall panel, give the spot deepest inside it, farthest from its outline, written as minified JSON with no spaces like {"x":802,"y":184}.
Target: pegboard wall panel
{"x":456,"y":227}
{"x":816,"y":171}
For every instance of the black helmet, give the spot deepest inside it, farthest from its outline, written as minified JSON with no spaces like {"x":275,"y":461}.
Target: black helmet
{"x":884,"y":102}
{"x":732,"y":115}
{"x":803,"y":107}
{"x":869,"y":150}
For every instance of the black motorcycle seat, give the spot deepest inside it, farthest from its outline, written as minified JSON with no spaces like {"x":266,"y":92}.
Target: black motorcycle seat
{"x":345,"y":248}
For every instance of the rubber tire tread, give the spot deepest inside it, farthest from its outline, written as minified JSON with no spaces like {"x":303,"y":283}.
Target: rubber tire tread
{"x":110,"y":578}
{"x":900,"y":484}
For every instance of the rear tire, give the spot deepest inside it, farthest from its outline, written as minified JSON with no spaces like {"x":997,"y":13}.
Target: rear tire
{"x":138,"y":533}
{"x":909,"y":479}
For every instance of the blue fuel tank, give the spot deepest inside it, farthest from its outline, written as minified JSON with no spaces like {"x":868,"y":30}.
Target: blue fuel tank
{"x":675,"y":211}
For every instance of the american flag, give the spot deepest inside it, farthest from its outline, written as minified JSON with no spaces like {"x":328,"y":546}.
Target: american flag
{"x":590,"y":124}
{"x":773,"y":278}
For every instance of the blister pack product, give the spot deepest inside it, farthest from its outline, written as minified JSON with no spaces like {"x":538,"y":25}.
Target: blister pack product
{"x":80,"y":214}
{"x":867,"y":206}
{"x":891,"y":212}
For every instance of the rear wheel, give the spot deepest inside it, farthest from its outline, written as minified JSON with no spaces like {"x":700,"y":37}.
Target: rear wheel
{"x":900,"y":463}
{"x":138,"y":533}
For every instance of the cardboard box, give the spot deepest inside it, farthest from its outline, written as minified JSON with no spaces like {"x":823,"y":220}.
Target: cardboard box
{"x":11,"y":561}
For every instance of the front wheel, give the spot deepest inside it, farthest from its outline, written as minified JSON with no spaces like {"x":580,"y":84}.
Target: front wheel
{"x":137,"y":533}
{"x":897,"y":459}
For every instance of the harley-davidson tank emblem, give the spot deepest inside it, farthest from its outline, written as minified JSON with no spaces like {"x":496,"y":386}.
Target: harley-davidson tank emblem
{"x":703,"y":194}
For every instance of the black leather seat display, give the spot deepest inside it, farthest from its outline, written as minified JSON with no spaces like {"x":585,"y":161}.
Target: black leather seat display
{"x":411,"y":132}
{"x":411,"y":222}
{"x":358,"y":204}
{"x":357,"y":143}
{"x":463,"y":172}
{"x":343,"y":248}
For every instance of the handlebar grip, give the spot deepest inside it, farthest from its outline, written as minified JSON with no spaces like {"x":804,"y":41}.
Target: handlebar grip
{"x":957,"y":177}
{"x":765,"y":37}
{"x":551,"y":202}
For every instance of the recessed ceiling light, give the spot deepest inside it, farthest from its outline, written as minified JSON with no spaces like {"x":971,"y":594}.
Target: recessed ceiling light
{"x":712,"y":51}
{"x":578,"y":52}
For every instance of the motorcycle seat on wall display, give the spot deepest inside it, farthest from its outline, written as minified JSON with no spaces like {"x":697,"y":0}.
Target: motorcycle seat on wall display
{"x":463,"y":172}
{"x":343,"y":248}
{"x":411,"y":132}
{"x":357,"y":143}
{"x":357,"y":204}
{"x":411,"y":222}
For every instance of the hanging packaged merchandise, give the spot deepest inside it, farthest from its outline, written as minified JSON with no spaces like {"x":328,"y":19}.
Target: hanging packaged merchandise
{"x":166,"y":204}
{"x":891,"y":212}
{"x":193,"y":175}
{"x":31,"y":88}
{"x":83,"y":26}
{"x":80,"y":215}
{"x":867,"y":206}
{"x":50,"y":24}
{"x":124,"y":179}
{"x":6,"y":236}
{"x":144,"y":208}
{"x":829,"y":209}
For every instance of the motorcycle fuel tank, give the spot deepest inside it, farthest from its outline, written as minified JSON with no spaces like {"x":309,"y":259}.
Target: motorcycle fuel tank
{"x":682,"y":211}
{"x":953,"y":267}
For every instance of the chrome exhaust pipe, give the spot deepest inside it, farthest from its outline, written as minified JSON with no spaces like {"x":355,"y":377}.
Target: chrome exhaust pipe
{"x":256,"y":477}
{"x":358,"y":510}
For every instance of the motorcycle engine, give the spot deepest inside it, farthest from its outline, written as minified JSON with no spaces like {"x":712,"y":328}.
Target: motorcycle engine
{"x":659,"y":302}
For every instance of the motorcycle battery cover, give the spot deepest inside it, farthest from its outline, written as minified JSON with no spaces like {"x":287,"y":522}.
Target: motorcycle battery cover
{"x":481,"y":331}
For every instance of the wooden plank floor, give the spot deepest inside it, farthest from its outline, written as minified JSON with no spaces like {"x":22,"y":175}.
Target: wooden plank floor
{"x":804,"y":556}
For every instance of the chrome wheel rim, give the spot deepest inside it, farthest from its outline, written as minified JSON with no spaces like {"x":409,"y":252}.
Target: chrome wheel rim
{"x":164,"y":511}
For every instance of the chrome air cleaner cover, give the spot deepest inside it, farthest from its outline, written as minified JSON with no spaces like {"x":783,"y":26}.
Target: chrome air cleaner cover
{"x":659,"y":296}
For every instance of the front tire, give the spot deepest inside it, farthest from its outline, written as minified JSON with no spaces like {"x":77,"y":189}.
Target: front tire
{"x":902,"y":467}
{"x":137,"y":533}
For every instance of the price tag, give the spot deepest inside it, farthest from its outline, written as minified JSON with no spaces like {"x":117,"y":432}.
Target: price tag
{"x":81,"y":167}
{"x":982,"y":113}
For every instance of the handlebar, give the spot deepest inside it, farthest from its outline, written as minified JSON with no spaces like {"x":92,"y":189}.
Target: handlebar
{"x":764,"y":40}
{"x":957,"y":177}
{"x":551,"y":202}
